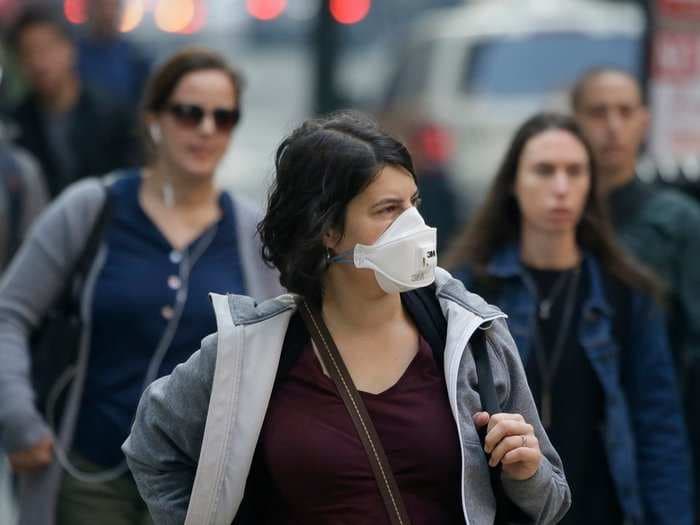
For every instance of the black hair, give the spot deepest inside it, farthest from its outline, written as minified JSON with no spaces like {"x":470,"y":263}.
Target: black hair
{"x":320,"y":167}
{"x":35,"y":16}
{"x":579,"y":87}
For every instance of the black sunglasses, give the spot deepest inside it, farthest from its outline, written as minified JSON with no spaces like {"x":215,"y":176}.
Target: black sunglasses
{"x":191,"y":116}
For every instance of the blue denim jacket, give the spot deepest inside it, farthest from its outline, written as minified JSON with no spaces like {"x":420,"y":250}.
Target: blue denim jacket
{"x":644,"y":432}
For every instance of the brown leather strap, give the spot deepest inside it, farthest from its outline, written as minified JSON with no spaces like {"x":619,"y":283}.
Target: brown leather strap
{"x":333,"y":362}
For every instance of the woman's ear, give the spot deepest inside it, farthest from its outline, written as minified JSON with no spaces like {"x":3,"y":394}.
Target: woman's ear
{"x":331,"y":238}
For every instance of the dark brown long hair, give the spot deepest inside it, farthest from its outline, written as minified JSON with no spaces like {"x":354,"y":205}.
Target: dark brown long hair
{"x":498,"y":221}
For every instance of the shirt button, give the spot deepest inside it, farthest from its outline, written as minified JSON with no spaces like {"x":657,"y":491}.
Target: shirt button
{"x":174,"y":282}
{"x":175,"y":257}
{"x":167,"y":312}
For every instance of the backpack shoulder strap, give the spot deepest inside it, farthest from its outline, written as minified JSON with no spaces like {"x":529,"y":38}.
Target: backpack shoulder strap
{"x":424,"y":307}
{"x":81,"y":268}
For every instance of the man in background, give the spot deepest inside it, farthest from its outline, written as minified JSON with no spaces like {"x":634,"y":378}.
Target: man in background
{"x":660,"y":227}
{"x":71,"y":130}
{"x":106,"y":60}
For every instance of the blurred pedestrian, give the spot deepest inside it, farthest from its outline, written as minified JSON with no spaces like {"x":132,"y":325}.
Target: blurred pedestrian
{"x":107,"y":61}
{"x":22,"y":197}
{"x":661,"y":227}
{"x":171,"y":238}
{"x":589,"y":332}
{"x":70,"y":129}
{"x":343,"y":230}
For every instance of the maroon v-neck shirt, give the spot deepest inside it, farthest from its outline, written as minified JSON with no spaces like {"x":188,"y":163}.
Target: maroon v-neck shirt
{"x":317,"y":472}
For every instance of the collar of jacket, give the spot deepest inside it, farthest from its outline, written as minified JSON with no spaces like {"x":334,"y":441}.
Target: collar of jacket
{"x":506,"y":264}
{"x":628,"y":201}
{"x":240,"y":323}
{"x":245,"y":310}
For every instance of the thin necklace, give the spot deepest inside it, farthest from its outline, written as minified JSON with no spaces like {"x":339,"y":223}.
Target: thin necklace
{"x":545,"y":304}
{"x":548,"y":368}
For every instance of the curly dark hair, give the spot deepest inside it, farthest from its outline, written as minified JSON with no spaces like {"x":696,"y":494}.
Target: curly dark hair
{"x":320,"y":167}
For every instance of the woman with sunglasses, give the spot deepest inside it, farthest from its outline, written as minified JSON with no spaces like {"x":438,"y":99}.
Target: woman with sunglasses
{"x":262,"y":425}
{"x":586,"y":324}
{"x":167,"y":237}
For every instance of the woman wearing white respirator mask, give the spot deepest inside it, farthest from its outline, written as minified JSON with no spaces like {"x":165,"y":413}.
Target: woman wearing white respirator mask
{"x":351,"y":399}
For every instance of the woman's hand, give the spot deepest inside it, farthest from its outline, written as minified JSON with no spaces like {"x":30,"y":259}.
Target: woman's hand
{"x":34,"y":458}
{"x":512,"y":442}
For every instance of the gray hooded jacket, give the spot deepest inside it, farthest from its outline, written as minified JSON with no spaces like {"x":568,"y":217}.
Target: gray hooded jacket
{"x":196,"y":431}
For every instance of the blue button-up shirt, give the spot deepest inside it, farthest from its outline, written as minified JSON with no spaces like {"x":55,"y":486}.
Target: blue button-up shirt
{"x":136,"y":297}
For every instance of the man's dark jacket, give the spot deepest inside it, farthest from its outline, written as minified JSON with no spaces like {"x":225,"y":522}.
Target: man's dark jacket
{"x":102,"y":136}
{"x":661,"y":227}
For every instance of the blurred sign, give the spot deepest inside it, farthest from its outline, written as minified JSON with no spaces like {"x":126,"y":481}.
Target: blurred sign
{"x":675,"y":80}
{"x":679,"y":8}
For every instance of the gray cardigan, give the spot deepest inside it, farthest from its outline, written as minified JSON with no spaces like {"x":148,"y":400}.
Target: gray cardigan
{"x":31,"y":284}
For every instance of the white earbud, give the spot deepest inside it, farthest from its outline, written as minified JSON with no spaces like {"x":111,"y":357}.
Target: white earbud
{"x":154,"y":130}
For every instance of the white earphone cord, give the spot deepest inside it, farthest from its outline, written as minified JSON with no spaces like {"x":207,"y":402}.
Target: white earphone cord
{"x":151,"y":374}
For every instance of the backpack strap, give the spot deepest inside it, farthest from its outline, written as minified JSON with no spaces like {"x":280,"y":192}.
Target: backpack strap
{"x":71,"y":296}
{"x":425,"y":309}
{"x":13,"y":185}
{"x":423,"y":306}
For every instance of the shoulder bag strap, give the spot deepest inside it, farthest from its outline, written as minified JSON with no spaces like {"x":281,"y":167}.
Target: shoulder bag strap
{"x":333,"y":363}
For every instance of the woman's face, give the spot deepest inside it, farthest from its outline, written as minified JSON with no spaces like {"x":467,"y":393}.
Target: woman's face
{"x":195,"y":126}
{"x":553,"y":182}
{"x":371,"y":212}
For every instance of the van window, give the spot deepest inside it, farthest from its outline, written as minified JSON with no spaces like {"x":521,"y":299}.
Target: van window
{"x":544,"y":62}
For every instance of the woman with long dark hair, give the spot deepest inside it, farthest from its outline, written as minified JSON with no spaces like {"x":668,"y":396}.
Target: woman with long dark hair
{"x":285,"y":414}
{"x":588,"y":327}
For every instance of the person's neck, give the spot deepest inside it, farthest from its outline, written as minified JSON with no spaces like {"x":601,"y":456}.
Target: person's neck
{"x":188,"y":192}
{"x":547,"y":251}
{"x":351,"y":307}
{"x":610,"y":179}
{"x":64,"y":98}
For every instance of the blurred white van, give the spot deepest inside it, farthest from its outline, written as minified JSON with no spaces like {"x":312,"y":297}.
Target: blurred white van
{"x":468,"y":76}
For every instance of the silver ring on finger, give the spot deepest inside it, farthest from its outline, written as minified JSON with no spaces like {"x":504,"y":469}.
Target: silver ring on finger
{"x":524,"y":439}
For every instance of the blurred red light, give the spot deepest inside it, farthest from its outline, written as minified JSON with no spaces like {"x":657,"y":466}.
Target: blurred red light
{"x":74,"y":11}
{"x":266,"y":9}
{"x":350,"y":11}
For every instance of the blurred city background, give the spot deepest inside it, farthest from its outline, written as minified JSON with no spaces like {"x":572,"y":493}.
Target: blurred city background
{"x":451,"y":78}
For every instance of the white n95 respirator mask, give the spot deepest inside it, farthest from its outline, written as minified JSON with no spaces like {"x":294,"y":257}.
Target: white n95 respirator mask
{"x":403,"y":258}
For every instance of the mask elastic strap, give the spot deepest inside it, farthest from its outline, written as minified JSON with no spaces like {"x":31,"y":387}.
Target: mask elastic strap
{"x":343,"y":258}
